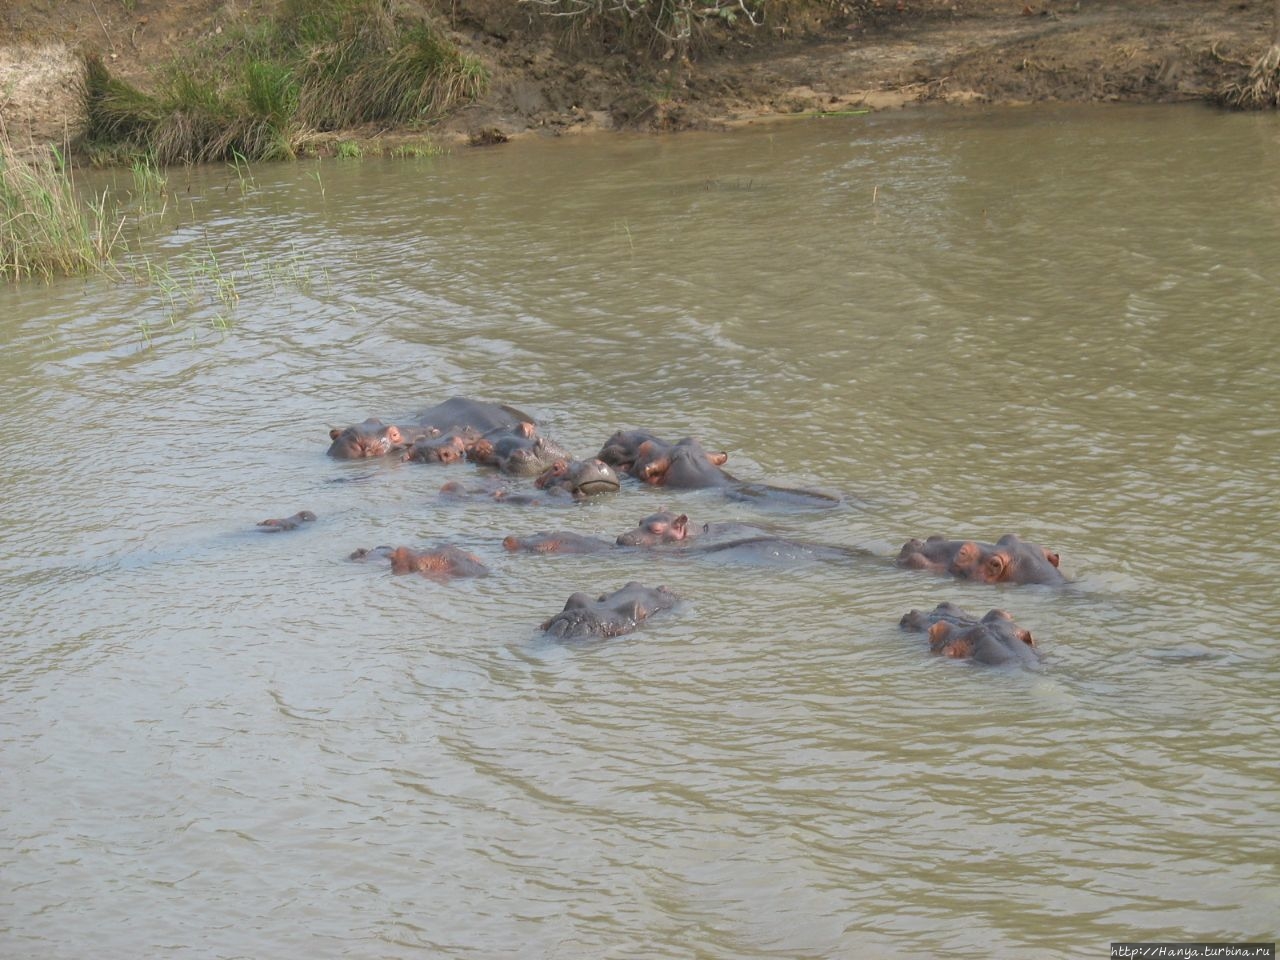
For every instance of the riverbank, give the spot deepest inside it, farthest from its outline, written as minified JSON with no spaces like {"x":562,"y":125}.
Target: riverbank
{"x":867,"y":55}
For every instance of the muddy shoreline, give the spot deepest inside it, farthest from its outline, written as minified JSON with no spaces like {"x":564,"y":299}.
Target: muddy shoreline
{"x":935,"y":51}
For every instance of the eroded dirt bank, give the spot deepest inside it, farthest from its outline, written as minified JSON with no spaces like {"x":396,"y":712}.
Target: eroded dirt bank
{"x":875,"y":53}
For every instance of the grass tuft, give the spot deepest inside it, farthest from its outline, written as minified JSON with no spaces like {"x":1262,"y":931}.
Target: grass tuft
{"x":46,"y":229}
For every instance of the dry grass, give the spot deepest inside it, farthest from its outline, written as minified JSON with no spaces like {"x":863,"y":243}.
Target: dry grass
{"x":1261,"y":89}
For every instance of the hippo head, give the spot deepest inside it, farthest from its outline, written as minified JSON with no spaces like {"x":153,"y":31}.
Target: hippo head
{"x":685,"y":465}
{"x":581,"y":478}
{"x":994,"y":639}
{"x":1008,"y":560}
{"x":372,"y":438}
{"x":488,"y":449}
{"x":620,"y":450}
{"x":451,"y":448}
{"x":531,"y":458}
{"x":661,"y":527}
{"x":438,"y":564}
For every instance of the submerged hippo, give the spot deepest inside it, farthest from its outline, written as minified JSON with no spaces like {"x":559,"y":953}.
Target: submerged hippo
{"x":492,"y":488}
{"x":559,"y":541}
{"x":610,"y":614}
{"x":437,"y":563}
{"x":666,"y":527}
{"x":287,"y":523}
{"x":687,"y":465}
{"x":1008,"y":560}
{"x":995,"y":639}
{"x":666,"y":531}
{"x":457,"y":415}
{"x":579,"y":478}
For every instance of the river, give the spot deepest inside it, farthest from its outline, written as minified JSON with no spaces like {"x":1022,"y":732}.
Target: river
{"x":1060,"y":322}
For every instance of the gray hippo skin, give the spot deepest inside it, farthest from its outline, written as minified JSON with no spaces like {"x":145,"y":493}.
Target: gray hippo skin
{"x":993,"y":640}
{"x":610,"y":614}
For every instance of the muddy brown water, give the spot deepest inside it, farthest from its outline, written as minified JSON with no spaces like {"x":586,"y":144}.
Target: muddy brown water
{"x":1060,"y":323}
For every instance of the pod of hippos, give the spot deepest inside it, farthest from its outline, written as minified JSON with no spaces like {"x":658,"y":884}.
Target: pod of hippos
{"x":507,"y":442}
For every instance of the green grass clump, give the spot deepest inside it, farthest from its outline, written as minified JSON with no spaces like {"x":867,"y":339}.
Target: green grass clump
{"x":258,"y":91}
{"x":46,"y":229}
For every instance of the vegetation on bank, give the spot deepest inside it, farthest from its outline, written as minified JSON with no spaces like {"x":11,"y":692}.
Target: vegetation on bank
{"x":259,"y":90}
{"x":45,"y":227}
{"x":1261,"y":88}
{"x":658,"y":25}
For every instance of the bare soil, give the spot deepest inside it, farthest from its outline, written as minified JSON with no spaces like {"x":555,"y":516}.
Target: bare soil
{"x":877,"y":54}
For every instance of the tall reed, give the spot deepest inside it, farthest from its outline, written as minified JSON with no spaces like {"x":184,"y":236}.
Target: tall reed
{"x":46,"y":228}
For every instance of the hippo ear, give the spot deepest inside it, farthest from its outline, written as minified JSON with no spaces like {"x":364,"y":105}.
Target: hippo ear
{"x":680,"y":524}
{"x":1025,"y":637}
{"x":993,"y":568}
{"x":718,"y":458}
{"x":1051,"y":557}
{"x":394,"y":434}
{"x":525,"y":429}
{"x":334,"y":433}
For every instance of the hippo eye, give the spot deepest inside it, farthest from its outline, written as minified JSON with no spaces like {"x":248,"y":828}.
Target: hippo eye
{"x":995,"y":566}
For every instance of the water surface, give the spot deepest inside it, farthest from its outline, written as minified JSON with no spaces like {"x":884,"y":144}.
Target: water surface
{"x":1059,"y":323}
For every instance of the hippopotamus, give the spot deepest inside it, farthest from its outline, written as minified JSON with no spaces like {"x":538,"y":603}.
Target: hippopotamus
{"x":371,"y":438}
{"x":492,"y":488}
{"x":666,"y":527}
{"x":995,"y":639}
{"x":557,"y":542}
{"x":687,"y":465}
{"x":579,"y":478}
{"x":668,"y":531}
{"x":438,"y":563}
{"x":445,"y":448}
{"x":287,"y":523}
{"x":610,"y":614}
{"x":456,"y":415}
{"x":519,"y":451}
{"x":623,"y":449}
{"x":1008,"y":560}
